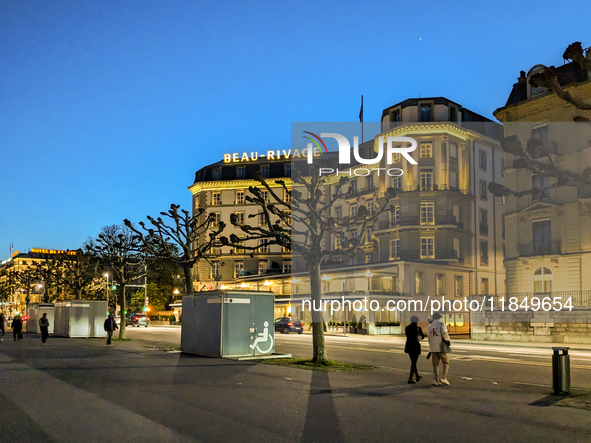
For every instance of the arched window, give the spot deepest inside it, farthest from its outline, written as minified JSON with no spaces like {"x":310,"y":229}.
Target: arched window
{"x":531,"y":91}
{"x":542,"y":280}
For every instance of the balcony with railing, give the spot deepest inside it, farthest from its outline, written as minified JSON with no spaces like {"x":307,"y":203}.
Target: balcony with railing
{"x":415,"y":221}
{"x":532,"y":249}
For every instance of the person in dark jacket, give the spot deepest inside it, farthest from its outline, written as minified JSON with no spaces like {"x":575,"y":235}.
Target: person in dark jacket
{"x":17,"y":327}
{"x":2,"y":326}
{"x":110,"y":327}
{"x":414,"y":335}
{"x":44,"y":326}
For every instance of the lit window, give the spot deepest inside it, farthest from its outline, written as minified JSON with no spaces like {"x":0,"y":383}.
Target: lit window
{"x":484,"y":286}
{"x":217,"y":216}
{"x":263,"y":267}
{"x":426,"y":181}
{"x":337,"y":242}
{"x":458,"y":286}
{"x":238,"y":249}
{"x":418,"y":282}
{"x":542,"y":280}
{"x":396,"y":157}
{"x":368,"y":258}
{"x":287,"y":267}
{"x":395,"y":215}
{"x":238,"y":269}
{"x":483,"y":253}
{"x":263,"y":245}
{"x":262,"y":219}
{"x":395,"y":249}
{"x":239,"y":197}
{"x":426,"y":150}
{"x":427,"y":213}
{"x":439,"y":284}
{"x":427,"y":247}
{"x":216,"y":198}
{"x":216,"y":270}
{"x":287,"y":196}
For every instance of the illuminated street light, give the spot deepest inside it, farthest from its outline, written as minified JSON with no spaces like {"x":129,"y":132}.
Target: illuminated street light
{"x":243,"y":285}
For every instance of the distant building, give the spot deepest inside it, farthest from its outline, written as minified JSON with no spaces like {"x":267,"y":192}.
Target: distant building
{"x":13,"y":297}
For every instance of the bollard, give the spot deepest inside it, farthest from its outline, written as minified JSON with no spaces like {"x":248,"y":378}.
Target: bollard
{"x":561,"y":371}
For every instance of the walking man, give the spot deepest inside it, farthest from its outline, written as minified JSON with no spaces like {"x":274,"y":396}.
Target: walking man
{"x":439,"y":346}
{"x":17,"y":328}
{"x":44,"y":326}
{"x":110,"y":327}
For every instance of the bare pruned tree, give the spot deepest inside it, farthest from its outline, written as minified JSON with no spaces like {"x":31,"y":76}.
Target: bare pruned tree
{"x":181,"y":238}
{"x":548,"y":78}
{"x":119,"y":249}
{"x":303,"y":223}
{"x":80,"y":270}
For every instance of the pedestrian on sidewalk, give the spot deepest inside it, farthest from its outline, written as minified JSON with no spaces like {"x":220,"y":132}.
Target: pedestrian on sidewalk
{"x":439,"y":345}
{"x":414,"y":335}
{"x":44,"y":326}
{"x":17,"y":328}
{"x":110,"y":327}
{"x":2,"y":326}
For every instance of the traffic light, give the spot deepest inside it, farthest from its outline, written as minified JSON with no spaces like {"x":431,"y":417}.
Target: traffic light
{"x":114,"y":287}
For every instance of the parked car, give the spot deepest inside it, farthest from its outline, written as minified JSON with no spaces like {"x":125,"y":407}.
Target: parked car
{"x":285,"y":325}
{"x":137,"y":320}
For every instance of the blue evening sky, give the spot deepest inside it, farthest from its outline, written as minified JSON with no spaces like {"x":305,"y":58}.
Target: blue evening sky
{"x":107,"y":108}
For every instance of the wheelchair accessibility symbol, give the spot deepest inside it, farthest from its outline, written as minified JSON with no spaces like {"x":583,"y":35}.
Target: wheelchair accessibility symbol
{"x":263,"y":339}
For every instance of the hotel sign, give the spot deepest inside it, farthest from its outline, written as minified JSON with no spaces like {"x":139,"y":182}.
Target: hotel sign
{"x":52,"y":251}
{"x":270,"y":155}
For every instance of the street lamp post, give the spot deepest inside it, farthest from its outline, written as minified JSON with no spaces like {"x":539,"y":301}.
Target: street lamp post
{"x":106,"y":275}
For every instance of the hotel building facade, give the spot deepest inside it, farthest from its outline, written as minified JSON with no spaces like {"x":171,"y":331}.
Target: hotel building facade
{"x":442,"y":236}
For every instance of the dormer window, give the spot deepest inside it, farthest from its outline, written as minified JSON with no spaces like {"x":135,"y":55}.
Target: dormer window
{"x":425,"y":112}
{"x":531,"y":90}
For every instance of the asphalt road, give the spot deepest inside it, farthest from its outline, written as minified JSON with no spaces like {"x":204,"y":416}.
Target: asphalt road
{"x":511,"y":362}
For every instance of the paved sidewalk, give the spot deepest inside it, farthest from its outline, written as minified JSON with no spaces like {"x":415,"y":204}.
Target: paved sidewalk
{"x":80,"y":390}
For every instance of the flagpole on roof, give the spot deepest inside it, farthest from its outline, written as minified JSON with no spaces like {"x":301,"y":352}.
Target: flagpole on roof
{"x":361,"y":118}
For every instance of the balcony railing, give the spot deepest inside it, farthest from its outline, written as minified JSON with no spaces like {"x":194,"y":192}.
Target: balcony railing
{"x":531,"y":249}
{"x":415,"y":221}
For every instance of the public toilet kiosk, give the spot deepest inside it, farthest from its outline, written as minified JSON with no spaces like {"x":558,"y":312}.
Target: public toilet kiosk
{"x":80,"y":318}
{"x":35,"y":311}
{"x":228,"y":323}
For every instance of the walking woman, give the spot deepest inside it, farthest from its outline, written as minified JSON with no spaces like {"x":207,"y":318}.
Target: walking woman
{"x":2,"y":326}
{"x":414,"y":335}
{"x":17,"y":328}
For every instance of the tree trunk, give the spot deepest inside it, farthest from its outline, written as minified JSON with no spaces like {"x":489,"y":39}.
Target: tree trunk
{"x":319,"y":348}
{"x":79,"y":294}
{"x":188,"y":279}
{"x":122,"y":316}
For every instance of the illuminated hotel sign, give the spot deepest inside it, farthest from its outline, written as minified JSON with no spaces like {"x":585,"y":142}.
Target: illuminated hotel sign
{"x":51,"y":251}
{"x":270,"y":155}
